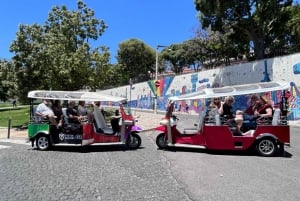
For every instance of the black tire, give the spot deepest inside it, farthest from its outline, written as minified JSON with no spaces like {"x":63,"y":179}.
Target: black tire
{"x":266,"y":147}
{"x":281,"y":149}
{"x":43,"y":142}
{"x":134,"y":141}
{"x":161,"y":141}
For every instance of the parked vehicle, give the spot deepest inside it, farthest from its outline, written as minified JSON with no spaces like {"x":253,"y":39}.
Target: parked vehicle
{"x":268,"y":138}
{"x":94,"y":132}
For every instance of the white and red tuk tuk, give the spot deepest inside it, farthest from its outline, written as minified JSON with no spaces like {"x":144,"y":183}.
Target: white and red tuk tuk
{"x":95,"y":132}
{"x":268,"y":138}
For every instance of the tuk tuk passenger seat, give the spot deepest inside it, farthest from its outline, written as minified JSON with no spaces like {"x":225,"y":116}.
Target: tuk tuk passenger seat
{"x":276,"y":117}
{"x":66,"y":119}
{"x":198,"y":125}
{"x":100,"y":124}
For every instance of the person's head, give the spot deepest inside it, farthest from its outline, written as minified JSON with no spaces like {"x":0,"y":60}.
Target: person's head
{"x":229,"y":100}
{"x":71,"y":103}
{"x":46,"y":101}
{"x":97,"y":103}
{"x":264,"y":100}
{"x":57,"y":103}
{"x":254,"y":98}
{"x":81,"y":103}
{"x":216,"y":101}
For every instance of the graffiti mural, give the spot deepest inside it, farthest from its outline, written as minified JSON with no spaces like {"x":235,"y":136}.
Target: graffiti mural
{"x":294,"y":102}
{"x":143,"y":95}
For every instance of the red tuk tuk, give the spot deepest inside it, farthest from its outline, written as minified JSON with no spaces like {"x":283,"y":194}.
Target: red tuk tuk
{"x":268,"y":138}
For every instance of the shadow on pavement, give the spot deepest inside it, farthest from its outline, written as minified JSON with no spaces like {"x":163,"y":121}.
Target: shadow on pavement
{"x":249,"y":152}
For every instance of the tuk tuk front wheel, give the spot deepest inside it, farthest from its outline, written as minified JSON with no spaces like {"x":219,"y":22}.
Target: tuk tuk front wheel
{"x":161,"y":141}
{"x":134,"y":141}
{"x":266,"y":147}
{"x":42,"y":142}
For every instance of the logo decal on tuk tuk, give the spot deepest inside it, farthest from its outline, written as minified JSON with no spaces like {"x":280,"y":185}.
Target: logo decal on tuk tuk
{"x":61,"y":136}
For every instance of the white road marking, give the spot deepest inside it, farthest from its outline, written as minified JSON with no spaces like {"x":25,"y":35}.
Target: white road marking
{"x":15,"y":141}
{"x":4,"y":146}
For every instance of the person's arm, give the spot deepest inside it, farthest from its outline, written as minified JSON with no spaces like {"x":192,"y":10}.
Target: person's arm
{"x":269,"y":113}
{"x":221,"y":110}
{"x":72,"y":115}
{"x":39,"y":111}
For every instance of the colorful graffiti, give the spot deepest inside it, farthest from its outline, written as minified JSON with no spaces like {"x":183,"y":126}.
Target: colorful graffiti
{"x":294,"y":102}
{"x":144,"y":97}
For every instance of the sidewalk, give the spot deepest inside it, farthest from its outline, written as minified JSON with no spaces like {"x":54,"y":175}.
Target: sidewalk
{"x":147,"y":120}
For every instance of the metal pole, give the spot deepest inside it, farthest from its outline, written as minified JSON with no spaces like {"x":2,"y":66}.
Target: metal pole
{"x":156,"y":77}
{"x":8,"y":131}
{"x":130,"y":85}
{"x":156,"y":72}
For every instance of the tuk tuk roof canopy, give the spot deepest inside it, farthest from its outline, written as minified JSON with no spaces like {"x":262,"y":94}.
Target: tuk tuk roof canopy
{"x":254,"y":88}
{"x":73,"y":95}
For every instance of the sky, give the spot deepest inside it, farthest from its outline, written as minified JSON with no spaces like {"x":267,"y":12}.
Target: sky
{"x":155,"y":22}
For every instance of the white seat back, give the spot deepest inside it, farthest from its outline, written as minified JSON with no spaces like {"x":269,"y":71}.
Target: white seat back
{"x":66,"y":118}
{"x":100,"y":121}
{"x":217,"y":117}
{"x":276,"y":117}
{"x":200,"y":122}
{"x":35,"y":117}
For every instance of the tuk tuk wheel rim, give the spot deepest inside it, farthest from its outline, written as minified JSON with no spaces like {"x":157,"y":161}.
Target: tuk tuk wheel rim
{"x":42,"y":143}
{"x":134,"y":141}
{"x":266,"y":147}
{"x":161,"y":141}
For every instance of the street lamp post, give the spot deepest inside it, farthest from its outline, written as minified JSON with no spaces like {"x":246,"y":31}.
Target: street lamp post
{"x":156,"y":75}
{"x":130,"y":85}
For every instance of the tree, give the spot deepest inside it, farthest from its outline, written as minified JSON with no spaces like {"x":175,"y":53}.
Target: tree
{"x":294,"y":28}
{"x":8,"y":80}
{"x":175,"y":55}
{"x":58,"y":55}
{"x":258,"y":21}
{"x":194,"y":52}
{"x":136,"y":59}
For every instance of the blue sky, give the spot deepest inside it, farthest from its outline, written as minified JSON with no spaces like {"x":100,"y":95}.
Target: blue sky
{"x":155,"y":22}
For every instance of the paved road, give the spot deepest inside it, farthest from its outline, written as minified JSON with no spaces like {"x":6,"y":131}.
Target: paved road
{"x":113,"y":173}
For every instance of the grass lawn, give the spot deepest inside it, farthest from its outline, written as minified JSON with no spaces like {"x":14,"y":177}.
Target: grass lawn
{"x":6,"y":104}
{"x":19,"y":116}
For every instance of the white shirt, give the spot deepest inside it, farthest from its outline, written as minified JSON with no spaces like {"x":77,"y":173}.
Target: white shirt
{"x":44,"y":110}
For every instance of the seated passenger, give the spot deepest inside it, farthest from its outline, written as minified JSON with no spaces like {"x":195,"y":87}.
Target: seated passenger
{"x":72,"y":113}
{"x":265,"y":111}
{"x":239,"y":120}
{"x":245,"y":118}
{"x":57,"y":110}
{"x":253,"y":105}
{"x":82,"y":111}
{"x":215,"y":103}
{"x":43,"y":110}
{"x":226,"y":107}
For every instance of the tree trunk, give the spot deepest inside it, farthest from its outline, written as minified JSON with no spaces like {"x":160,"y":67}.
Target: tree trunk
{"x":259,"y":49}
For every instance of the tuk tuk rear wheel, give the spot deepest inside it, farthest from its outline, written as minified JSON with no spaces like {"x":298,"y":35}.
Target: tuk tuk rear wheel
{"x":266,"y":147}
{"x":134,"y":141}
{"x":42,"y":142}
{"x":161,"y":141}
